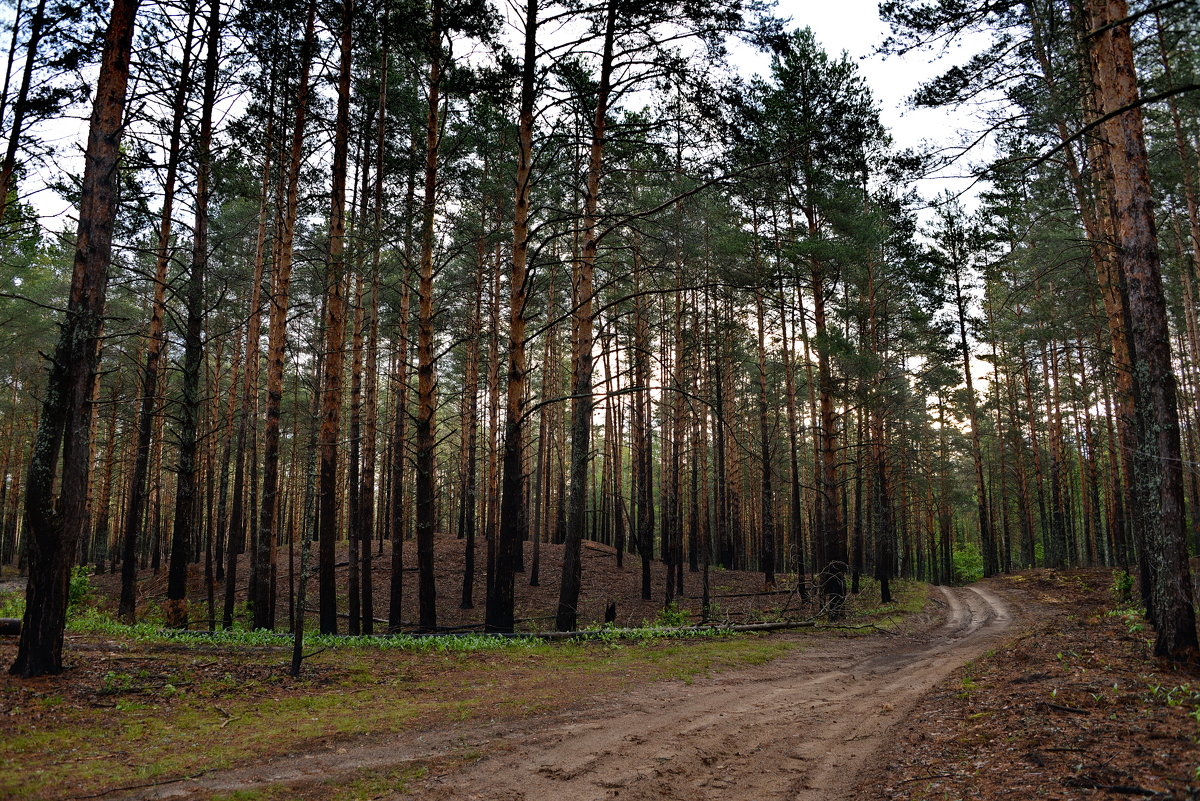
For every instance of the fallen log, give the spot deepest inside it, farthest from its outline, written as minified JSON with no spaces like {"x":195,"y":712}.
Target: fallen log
{"x":10,"y":626}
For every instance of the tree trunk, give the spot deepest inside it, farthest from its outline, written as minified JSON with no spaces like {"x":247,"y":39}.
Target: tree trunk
{"x":55,"y":529}
{"x":581,"y":344}
{"x":1158,"y":475}
{"x":154,"y":344}
{"x":185,"y":530}
{"x":335,"y":334}
{"x":512,"y":508}
{"x":426,"y":436}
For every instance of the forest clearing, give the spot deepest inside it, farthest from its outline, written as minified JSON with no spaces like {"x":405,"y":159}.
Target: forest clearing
{"x":698,"y":399}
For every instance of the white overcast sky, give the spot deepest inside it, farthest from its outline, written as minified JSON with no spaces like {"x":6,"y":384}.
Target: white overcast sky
{"x":854,"y":26}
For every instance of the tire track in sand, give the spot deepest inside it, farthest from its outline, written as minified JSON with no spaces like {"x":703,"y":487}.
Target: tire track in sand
{"x":800,"y":727}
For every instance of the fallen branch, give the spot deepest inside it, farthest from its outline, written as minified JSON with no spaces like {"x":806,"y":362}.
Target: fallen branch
{"x":112,"y":790}
{"x":1123,"y":789}
{"x":1062,"y":708}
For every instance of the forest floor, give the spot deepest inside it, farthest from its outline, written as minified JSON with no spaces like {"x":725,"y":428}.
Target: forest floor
{"x":737,"y":595}
{"x":1029,"y":686}
{"x":1074,"y":706}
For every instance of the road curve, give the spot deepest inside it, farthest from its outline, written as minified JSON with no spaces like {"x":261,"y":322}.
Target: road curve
{"x":800,"y":727}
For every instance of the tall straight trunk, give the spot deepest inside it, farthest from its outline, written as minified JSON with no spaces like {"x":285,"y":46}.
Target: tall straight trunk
{"x":981,"y":504}
{"x":426,"y":436}
{"x":277,"y":330}
{"x":881,"y":509}
{"x":796,"y":513}
{"x":65,"y":424}
{"x":185,"y":531}
{"x":641,"y":430}
{"x":512,"y":509}
{"x":353,"y":466}
{"x":366,"y":493}
{"x":833,"y":542}
{"x":235,"y":373}
{"x":154,"y":342}
{"x":104,"y":514}
{"x":398,"y":524}
{"x":335,"y":334}
{"x":1159,"y":478}
{"x":764,"y":432}
{"x":1187,"y":154}
{"x":1056,"y":551}
{"x":581,"y":343}
{"x":469,"y":496}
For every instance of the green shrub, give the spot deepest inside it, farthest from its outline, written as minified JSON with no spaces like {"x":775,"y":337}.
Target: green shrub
{"x":1122,"y":586}
{"x":12,"y":604}
{"x":968,"y":563}
{"x":79,"y":589}
{"x":671,"y":616}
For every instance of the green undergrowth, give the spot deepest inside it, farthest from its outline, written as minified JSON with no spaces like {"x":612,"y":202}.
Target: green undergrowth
{"x":95,"y":622}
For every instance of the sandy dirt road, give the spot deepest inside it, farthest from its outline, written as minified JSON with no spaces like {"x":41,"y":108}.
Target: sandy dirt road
{"x":804,"y":726}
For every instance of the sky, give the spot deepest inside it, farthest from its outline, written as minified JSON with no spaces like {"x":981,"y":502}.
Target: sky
{"x":854,"y":26}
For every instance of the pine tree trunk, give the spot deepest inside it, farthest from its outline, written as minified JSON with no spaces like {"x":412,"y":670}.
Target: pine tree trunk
{"x":1158,"y":474}
{"x":582,"y":278}
{"x":185,"y":530}
{"x":335,"y":335}
{"x":65,"y":424}
{"x":154,"y":344}
{"x":426,"y":436}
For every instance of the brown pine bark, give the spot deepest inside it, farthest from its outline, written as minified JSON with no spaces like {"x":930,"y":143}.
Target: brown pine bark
{"x":426,"y":435}
{"x":513,"y":523}
{"x":335,"y":334}
{"x":154,"y":343}
{"x":582,"y":285}
{"x":186,"y":527}
{"x":55,"y":528}
{"x":281,"y":276}
{"x":1158,"y":475}
{"x":764,"y":430}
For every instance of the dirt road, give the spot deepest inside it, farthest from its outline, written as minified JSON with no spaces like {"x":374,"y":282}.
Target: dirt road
{"x":804,"y":726}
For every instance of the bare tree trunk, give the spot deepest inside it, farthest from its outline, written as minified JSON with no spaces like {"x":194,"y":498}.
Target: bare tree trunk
{"x":582,"y":337}
{"x":277,"y":328}
{"x":154,"y":343}
{"x":184,"y":532}
{"x":1158,"y":474}
{"x":513,"y":523}
{"x":55,"y":529}
{"x":426,"y":436}
{"x":335,"y":334}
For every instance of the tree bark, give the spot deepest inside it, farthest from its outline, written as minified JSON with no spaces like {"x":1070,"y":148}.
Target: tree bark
{"x":56,"y":528}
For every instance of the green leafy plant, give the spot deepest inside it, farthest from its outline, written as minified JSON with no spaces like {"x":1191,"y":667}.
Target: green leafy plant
{"x":1122,"y":586}
{"x":79,"y":589}
{"x":968,"y":563}
{"x":12,"y":604}
{"x":671,"y":616}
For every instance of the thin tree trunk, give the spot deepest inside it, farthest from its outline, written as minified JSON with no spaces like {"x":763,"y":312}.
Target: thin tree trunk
{"x":581,"y":344}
